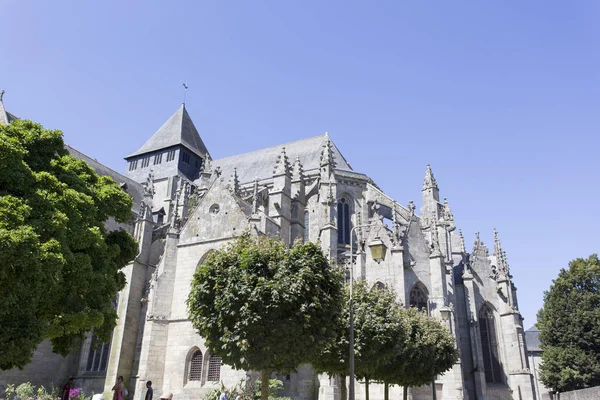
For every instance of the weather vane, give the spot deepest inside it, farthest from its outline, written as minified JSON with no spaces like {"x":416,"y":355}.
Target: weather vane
{"x":185,"y":88}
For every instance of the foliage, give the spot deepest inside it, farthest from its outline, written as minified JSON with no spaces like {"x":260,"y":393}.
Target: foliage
{"x":569,"y":324}
{"x":59,"y":267}
{"x":391,"y":344}
{"x":427,"y":349}
{"x":27,"y":391}
{"x":377,"y":331}
{"x":262,"y":306}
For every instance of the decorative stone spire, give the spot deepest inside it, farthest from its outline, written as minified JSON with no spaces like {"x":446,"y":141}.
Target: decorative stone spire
{"x":234,"y":183}
{"x":411,"y":207}
{"x":206,"y":167}
{"x":282,"y":165}
{"x":327,"y":157}
{"x":447,"y":214}
{"x":435,"y":239}
{"x":461,"y":241}
{"x":429,"y":182}
{"x":502,"y":271}
{"x":148,"y":185}
{"x":480,"y":249}
{"x":255,"y":196}
{"x":297,"y":170}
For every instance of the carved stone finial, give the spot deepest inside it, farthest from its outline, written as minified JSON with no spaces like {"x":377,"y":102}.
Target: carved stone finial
{"x":447,"y":214}
{"x":435,"y":239}
{"x":411,"y":207}
{"x":480,"y":249}
{"x":461,"y":241}
{"x":234,"y":182}
{"x":282,"y":165}
{"x":429,"y":181}
{"x":502,"y":270}
{"x":327,"y":157}
{"x":148,"y":185}
{"x":206,"y":167}
{"x":297,"y":170}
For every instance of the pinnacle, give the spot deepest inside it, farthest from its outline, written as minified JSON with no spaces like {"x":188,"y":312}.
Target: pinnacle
{"x":461,"y":241}
{"x":448,"y":216}
{"x":297,"y":170}
{"x":282,"y":165}
{"x":429,"y":182}
{"x":327,"y":157}
{"x":234,"y":183}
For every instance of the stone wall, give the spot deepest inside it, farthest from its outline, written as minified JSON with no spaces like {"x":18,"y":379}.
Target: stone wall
{"x":592,"y":393}
{"x":47,"y":368}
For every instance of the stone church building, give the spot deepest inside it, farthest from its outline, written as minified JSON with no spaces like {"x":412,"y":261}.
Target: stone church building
{"x":187,"y":204}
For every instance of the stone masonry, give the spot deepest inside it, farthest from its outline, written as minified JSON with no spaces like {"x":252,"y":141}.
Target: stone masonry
{"x":187,"y":204}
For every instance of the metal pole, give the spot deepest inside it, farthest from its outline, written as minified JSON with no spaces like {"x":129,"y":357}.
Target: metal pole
{"x":351,"y":359}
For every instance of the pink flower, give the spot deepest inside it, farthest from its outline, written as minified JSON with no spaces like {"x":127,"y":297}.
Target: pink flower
{"x":74,"y":392}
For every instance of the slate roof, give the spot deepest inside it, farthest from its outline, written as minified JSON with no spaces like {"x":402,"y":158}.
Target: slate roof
{"x":532,"y":339}
{"x":179,"y":129}
{"x":134,"y":189}
{"x":260,"y":163}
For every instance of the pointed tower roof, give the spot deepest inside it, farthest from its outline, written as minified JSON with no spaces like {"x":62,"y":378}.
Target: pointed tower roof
{"x":429,"y":182}
{"x":178,"y":130}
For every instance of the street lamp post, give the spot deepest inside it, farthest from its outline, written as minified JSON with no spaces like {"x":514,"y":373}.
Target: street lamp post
{"x":378,"y":250}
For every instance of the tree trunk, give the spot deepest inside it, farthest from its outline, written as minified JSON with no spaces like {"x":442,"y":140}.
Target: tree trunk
{"x":386,"y":391}
{"x":264,"y":385}
{"x":343,"y":387}
{"x":366,"y":388}
{"x":405,"y":392}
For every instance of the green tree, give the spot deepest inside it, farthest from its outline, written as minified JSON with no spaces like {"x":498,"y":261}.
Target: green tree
{"x":569,"y":324}
{"x":378,"y":332}
{"x":265,"y":307}
{"x":59,"y":267}
{"x":426,"y":348}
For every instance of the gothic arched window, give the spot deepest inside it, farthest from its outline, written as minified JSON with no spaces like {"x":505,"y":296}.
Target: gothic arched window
{"x":418,"y":298}
{"x":195,"y":366}
{"x":343,"y":210}
{"x":214,"y":369}
{"x":306,"y":225}
{"x":379,"y":286}
{"x":489,"y":345}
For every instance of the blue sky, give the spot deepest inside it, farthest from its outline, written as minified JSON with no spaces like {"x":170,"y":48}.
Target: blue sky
{"x":500,"y":97}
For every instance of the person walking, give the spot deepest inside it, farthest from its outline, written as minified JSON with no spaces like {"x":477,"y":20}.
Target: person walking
{"x":149,"y":391}
{"x":118,"y":388}
{"x":67,"y":388}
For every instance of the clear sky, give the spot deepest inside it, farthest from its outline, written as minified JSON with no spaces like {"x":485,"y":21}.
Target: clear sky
{"x":502,"y":98}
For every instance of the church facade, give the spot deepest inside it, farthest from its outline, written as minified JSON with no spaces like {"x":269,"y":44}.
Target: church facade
{"x":186,"y":205}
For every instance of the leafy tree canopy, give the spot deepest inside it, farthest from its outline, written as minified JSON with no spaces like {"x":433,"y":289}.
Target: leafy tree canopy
{"x":59,"y":267}
{"x":428,"y":349}
{"x":569,"y":324}
{"x":263,"y":306}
